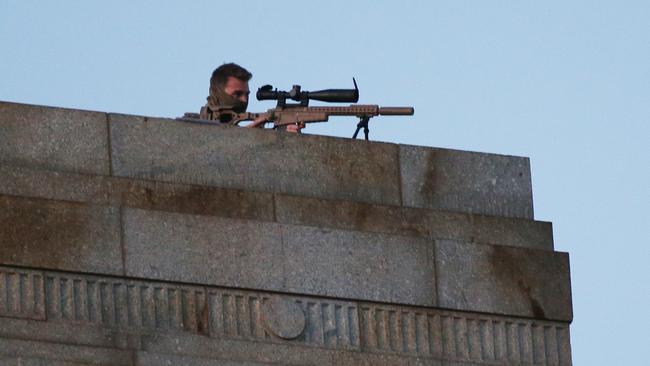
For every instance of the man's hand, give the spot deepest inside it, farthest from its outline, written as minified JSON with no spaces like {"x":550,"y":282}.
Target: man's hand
{"x":296,"y":127}
{"x":261,"y":120}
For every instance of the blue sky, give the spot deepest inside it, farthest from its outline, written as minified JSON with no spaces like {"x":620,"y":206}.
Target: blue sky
{"x":566,"y":83}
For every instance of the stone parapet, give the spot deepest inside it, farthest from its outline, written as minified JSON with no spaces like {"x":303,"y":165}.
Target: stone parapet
{"x":57,"y":139}
{"x":265,"y":161}
{"x":479,"y":183}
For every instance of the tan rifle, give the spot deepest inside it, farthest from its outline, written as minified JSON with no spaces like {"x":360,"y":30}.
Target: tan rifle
{"x":286,"y":114}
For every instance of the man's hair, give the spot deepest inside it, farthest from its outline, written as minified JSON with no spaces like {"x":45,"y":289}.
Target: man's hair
{"x":221,"y":74}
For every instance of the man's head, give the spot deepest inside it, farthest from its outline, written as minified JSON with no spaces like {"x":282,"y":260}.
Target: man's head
{"x":229,"y":87}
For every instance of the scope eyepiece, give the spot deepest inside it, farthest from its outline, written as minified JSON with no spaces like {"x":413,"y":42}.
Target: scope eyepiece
{"x":266,"y":92}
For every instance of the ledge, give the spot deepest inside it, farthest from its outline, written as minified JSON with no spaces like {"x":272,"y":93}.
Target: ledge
{"x":66,"y":140}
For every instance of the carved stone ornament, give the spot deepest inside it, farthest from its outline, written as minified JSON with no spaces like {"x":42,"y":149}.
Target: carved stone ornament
{"x":283,"y":317}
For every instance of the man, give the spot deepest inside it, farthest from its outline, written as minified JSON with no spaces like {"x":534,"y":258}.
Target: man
{"x":229,"y":90}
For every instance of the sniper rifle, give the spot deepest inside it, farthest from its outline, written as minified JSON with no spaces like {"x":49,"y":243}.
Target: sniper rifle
{"x":297,"y":113}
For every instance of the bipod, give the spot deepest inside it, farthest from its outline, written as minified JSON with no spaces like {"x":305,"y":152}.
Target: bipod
{"x":363,"y":122}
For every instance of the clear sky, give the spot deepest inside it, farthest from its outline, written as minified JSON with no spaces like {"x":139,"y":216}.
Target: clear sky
{"x":566,"y":83}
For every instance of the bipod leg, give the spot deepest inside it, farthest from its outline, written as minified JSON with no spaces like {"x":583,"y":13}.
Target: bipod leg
{"x":363,"y":122}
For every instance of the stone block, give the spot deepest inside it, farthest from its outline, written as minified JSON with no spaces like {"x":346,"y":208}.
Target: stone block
{"x":68,"y":332}
{"x":514,"y":232}
{"x":52,"y":185}
{"x":57,"y":354}
{"x":356,"y":265}
{"x":252,"y":159}
{"x":136,"y":193}
{"x":260,"y":255}
{"x":53,"y":138}
{"x":60,"y":235}
{"x":236,"y":350}
{"x":466,"y":181}
{"x":351,"y":215}
{"x":274,"y":354}
{"x":30,"y":361}
{"x":191,"y":199}
{"x":503,"y":280}
{"x":435,"y":224}
{"x":379,"y":359}
{"x":202,"y":249}
{"x":157,"y":359}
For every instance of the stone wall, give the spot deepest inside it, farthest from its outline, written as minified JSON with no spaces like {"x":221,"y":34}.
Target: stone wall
{"x":129,"y":240}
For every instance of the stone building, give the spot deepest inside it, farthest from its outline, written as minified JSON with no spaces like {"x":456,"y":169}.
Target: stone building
{"x":129,"y":240}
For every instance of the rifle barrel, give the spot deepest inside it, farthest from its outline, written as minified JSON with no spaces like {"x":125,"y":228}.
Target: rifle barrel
{"x":363,"y":109}
{"x":396,"y":111}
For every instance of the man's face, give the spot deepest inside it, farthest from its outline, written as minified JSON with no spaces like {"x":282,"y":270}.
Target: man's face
{"x":237,"y":89}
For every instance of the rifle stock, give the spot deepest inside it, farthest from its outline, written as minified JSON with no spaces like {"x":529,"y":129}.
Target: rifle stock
{"x":283,"y":116}
{"x":293,"y":115}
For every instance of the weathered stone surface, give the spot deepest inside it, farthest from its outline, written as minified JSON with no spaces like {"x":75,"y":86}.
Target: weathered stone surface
{"x":435,"y":224}
{"x":283,"y":249}
{"x":125,"y":305}
{"x":514,"y":232}
{"x":113,"y":312}
{"x":478,"y":339}
{"x":237,"y":314}
{"x":351,"y":215}
{"x":202,"y":249}
{"x":205,"y":347}
{"x":359,"y":265}
{"x":192,"y":199}
{"x":53,"y":185}
{"x":259,"y":160}
{"x":276,"y":354}
{"x":303,"y":260}
{"x":367,"y":359}
{"x":64,"y":354}
{"x":70,"y":332}
{"x":465,"y":181}
{"x":214,"y":201}
{"x":60,"y":235}
{"x":53,"y":138}
{"x":105,"y":311}
{"x":136,"y":193}
{"x":30,"y":361}
{"x":503,"y":280}
{"x":484,"y":229}
{"x":157,"y":359}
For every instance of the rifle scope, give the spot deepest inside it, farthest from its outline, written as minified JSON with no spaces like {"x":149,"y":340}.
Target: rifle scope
{"x":328,"y":95}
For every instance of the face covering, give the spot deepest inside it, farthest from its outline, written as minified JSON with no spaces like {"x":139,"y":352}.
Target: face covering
{"x":219,"y":100}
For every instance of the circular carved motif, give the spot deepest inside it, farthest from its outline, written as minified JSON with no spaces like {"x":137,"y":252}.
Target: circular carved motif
{"x":283,"y":317}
